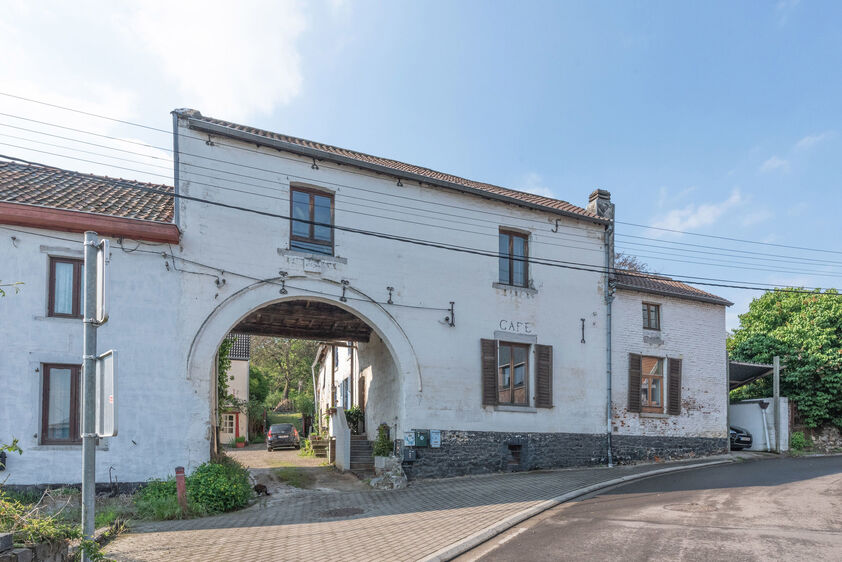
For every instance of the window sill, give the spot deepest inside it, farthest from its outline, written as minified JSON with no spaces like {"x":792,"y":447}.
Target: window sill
{"x":654,"y":415}
{"x":59,"y":318}
{"x":515,"y":288}
{"x":512,"y":408}
{"x":310,"y":256}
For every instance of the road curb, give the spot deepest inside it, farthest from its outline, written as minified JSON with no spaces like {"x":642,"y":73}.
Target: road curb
{"x":462,"y":546}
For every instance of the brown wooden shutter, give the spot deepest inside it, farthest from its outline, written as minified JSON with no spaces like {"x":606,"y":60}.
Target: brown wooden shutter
{"x":634,"y":382}
{"x":544,"y":376}
{"x":674,"y":388}
{"x":489,"y":372}
{"x":361,"y":392}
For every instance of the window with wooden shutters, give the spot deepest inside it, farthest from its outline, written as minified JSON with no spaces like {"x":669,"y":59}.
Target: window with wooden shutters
{"x":544,"y":376}
{"x":489,"y":372}
{"x":634,"y":382}
{"x":674,"y":388}
{"x":652,"y":384}
{"x":513,"y":373}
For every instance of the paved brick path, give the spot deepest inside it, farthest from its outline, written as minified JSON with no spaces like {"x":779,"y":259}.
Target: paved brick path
{"x":404,"y":524}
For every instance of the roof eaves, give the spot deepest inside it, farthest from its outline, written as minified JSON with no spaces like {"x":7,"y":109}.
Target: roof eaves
{"x":199,"y":123}
{"x":674,"y":294}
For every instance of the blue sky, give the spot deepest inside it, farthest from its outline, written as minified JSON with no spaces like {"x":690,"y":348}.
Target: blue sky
{"x":718,"y":118}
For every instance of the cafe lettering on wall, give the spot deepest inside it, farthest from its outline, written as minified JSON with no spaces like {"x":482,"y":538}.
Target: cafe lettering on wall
{"x":516,"y":327}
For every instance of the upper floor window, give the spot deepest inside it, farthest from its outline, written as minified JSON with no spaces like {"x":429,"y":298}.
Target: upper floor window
{"x":65,"y":297}
{"x":651,"y":316}
{"x":311,"y":221}
{"x":60,"y":404}
{"x":513,"y":261}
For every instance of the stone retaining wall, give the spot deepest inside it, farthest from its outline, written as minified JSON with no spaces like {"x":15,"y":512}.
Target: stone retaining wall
{"x":479,"y":452}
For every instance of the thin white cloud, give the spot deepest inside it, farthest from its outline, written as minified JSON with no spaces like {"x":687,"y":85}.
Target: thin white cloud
{"x":756,"y":216}
{"x":534,"y":183}
{"x":227,"y":60}
{"x":774,"y":163}
{"x":784,"y":8}
{"x":812,"y":140}
{"x":694,"y":216}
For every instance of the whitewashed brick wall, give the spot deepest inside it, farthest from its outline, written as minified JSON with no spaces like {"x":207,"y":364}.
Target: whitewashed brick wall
{"x":692,"y":331}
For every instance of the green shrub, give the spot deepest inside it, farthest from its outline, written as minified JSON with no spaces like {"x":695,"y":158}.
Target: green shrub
{"x":217,"y":487}
{"x":158,"y":500}
{"x":798,"y":441}
{"x":29,"y":527}
{"x":306,"y":449}
{"x":240,"y":439}
{"x":383,"y":447}
{"x":355,"y":417}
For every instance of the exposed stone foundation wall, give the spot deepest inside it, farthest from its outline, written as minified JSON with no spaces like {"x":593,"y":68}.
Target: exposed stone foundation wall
{"x":479,"y":452}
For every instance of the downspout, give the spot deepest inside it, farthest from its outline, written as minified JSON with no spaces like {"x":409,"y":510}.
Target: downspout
{"x":609,"y":298}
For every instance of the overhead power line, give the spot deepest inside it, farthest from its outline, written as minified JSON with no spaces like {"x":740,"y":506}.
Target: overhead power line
{"x":714,"y":282}
{"x":397,"y":173}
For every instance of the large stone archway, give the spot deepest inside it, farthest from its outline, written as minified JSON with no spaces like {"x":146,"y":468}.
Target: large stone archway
{"x":245,"y":302}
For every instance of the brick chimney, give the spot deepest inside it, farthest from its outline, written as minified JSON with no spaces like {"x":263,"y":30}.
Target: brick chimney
{"x":600,"y":204}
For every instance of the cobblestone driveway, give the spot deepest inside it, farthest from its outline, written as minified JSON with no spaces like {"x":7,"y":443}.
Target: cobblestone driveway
{"x":406,"y":524}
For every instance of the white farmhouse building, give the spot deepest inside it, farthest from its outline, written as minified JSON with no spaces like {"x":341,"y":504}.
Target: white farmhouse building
{"x":474,"y":310}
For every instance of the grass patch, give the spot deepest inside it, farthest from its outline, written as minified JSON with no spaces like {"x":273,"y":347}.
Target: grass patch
{"x":295,"y":419}
{"x":295,"y":477}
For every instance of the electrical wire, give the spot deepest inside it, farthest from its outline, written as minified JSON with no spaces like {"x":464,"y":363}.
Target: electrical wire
{"x":715,"y":282}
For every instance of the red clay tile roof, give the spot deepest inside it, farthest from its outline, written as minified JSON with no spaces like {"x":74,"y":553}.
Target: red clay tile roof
{"x":518,"y":196}
{"x":661,"y":285}
{"x":45,"y":186}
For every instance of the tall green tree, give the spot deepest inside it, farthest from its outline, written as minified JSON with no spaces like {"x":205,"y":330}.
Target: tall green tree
{"x":805,"y":330}
{"x":287,"y":362}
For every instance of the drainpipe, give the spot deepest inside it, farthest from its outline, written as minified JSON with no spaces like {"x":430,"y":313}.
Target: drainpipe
{"x":609,"y":298}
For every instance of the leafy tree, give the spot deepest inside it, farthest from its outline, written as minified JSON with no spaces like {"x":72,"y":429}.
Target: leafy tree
{"x":805,"y":330}
{"x":286,"y":361}
{"x":258,"y":384}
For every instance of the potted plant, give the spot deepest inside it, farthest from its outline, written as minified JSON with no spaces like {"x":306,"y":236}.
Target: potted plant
{"x":331,"y":411}
{"x":383,"y":447}
{"x":240,"y":442}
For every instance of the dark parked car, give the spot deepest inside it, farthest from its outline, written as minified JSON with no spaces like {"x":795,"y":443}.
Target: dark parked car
{"x":282,"y":435}
{"x":740,"y":438}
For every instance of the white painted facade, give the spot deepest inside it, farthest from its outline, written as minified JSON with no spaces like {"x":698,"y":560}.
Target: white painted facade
{"x":169,"y":316}
{"x":692,"y":331}
{"x":235,"y":424}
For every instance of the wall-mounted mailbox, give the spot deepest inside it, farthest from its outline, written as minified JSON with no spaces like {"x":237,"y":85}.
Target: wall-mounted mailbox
{"x":409,"y":438}
{"x":422,"y":437}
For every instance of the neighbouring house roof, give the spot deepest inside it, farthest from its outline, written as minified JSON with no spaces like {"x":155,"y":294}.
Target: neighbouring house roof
{"x":660,"y":285}
{"x":45,"y":186}
{"x":240,"y":346}
{"x":383,"y":165}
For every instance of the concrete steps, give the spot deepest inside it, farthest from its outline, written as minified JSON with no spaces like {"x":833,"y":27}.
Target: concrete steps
{"x":361,"y":459}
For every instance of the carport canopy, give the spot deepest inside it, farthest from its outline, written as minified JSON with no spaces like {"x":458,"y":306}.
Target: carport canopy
{"x":304,"y":319}
{"x":740,"y":374}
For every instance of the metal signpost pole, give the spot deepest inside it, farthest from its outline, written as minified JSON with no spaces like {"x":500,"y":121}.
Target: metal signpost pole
{"x":89,"y":389}
{"x":776,"y":394}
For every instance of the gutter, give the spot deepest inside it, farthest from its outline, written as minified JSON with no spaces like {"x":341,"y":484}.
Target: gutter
{"x":200,"y":124}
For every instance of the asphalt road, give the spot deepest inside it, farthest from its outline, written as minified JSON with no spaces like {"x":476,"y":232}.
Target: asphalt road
{"x":779,"y":509}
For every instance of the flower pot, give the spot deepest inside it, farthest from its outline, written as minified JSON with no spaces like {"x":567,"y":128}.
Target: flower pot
{"x":241,"y":444}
